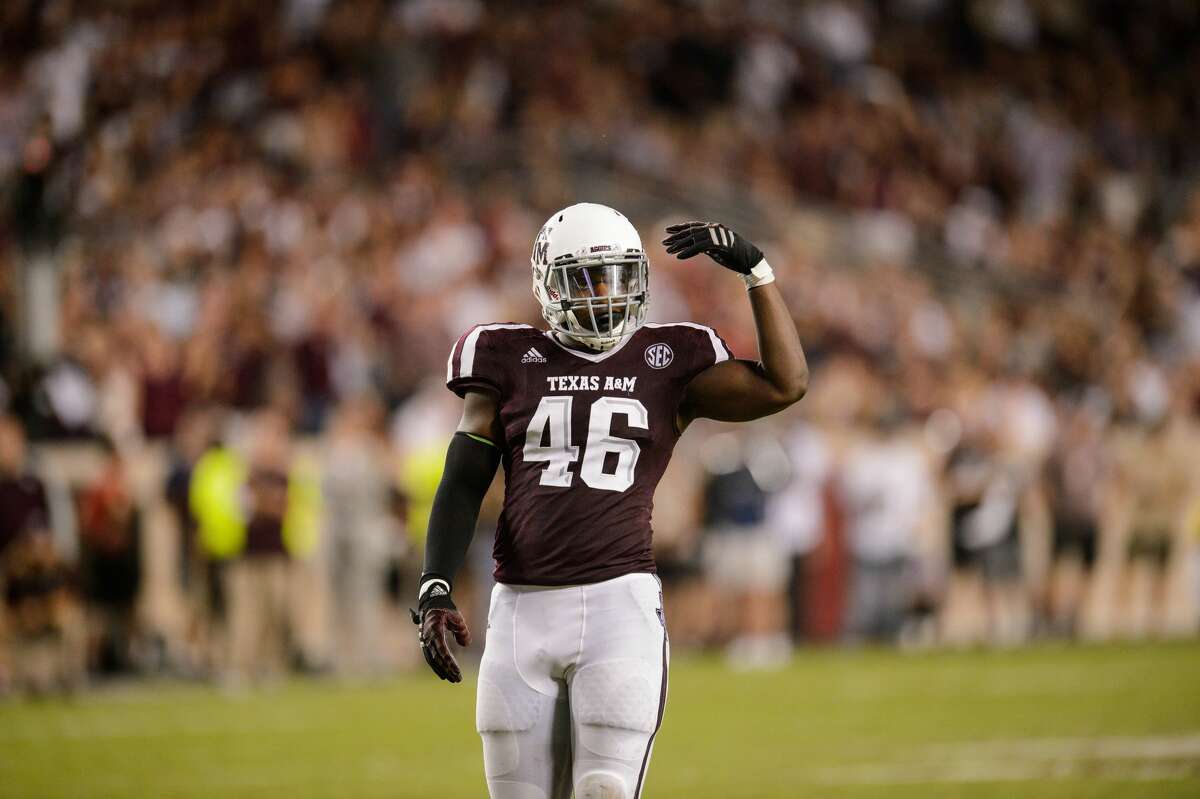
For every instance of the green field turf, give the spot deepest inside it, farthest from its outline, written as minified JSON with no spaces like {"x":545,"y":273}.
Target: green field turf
{"x":1047,"y":722}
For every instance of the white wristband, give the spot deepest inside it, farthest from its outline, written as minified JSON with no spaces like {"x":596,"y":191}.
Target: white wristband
{"x":428,"y":584}
{"x":760,"y":275}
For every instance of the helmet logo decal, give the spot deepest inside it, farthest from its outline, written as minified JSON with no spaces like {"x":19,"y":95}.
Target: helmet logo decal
{"x":659,"y":356}
{"x":541,"y":247}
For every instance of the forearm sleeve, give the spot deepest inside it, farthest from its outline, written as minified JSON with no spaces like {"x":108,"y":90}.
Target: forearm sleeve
{"x":470,"y":466}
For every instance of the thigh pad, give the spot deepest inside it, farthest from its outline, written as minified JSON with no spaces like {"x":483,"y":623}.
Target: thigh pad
{"x":624,"y":694}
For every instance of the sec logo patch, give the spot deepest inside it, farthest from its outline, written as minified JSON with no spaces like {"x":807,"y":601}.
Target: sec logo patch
{"x":659,"y":356}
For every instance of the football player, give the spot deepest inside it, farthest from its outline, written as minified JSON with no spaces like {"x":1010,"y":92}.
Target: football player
{"x":584,"y":417}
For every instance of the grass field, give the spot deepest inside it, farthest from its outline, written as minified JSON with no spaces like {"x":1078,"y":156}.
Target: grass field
{"x":1046,"y":722}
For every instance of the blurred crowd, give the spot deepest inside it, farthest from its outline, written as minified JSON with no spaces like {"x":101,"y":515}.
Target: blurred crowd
{"x":239,"y":239}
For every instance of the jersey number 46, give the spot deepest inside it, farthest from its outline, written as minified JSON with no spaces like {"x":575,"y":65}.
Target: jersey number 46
{"x":555,"y":413}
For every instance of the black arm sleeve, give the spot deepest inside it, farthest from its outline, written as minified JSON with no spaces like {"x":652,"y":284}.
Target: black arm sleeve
{"x":470,"y":466}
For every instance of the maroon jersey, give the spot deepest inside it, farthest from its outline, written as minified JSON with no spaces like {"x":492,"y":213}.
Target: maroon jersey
{"x":587,"y":436}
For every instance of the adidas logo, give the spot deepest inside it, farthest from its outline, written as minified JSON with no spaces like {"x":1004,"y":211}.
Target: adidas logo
{"x":533,"y":356}
{"x":437,"y":590}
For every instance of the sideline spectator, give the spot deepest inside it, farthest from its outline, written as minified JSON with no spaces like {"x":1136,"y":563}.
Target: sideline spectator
{"x":1148,"y":552}
{"x":43,"y":624}
{"x":197,"y":574}
{"x":887,"y":489}
{"x":796,"y":515}
{"x":1078,"y":481}
{"x":259,"y":580}
{"x":361,"y":532}
{"x":23,"y":505}
{"x":266,"y":628}
{"x":742,"y":559}
{"x":987,"y":587}
{"x":111,"y":558}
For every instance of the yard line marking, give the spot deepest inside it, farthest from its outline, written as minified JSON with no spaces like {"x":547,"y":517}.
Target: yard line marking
{"x":1123,"y":747}
{"x":1152,"y":758}
{"x":968,"y":772}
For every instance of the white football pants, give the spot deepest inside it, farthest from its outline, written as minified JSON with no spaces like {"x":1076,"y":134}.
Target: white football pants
{"x":572,"y":688}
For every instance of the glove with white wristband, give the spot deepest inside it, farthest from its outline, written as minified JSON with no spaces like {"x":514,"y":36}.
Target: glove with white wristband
{"x":436,"y":615}
{"x":718,"y":242}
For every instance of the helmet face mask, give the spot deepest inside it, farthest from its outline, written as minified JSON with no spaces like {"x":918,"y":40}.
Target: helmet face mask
{"x":590,"y":275}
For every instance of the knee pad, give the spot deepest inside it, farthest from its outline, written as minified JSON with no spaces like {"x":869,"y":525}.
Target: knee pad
{"x":501,"y":753}
{"x":500,"y":717}
{"x":600,"y":785}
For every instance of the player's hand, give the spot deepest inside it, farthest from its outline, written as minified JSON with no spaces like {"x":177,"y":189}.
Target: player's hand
{"x":436,"y":615}
{"x":718,"y":242}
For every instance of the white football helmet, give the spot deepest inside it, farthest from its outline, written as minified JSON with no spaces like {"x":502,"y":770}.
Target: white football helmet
{"x":590,"y":275}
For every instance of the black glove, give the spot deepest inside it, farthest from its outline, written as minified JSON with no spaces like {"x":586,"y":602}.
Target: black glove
{"x":715,"y":240}
{"x":435,"y":615}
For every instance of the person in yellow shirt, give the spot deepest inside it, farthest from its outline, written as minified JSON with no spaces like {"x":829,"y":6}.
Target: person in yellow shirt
{"x":261,"y":516}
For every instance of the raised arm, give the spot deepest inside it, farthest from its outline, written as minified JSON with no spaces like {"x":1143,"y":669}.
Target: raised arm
{"x":470,"y":466}
{"x":742,"y":390}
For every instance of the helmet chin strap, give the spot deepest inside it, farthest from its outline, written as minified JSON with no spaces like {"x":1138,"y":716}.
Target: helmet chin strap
{"x":585,"y":342}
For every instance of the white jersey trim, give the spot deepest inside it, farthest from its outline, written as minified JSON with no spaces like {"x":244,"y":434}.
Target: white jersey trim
{"x":720,"y":351}
{"x":466,"y":361}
